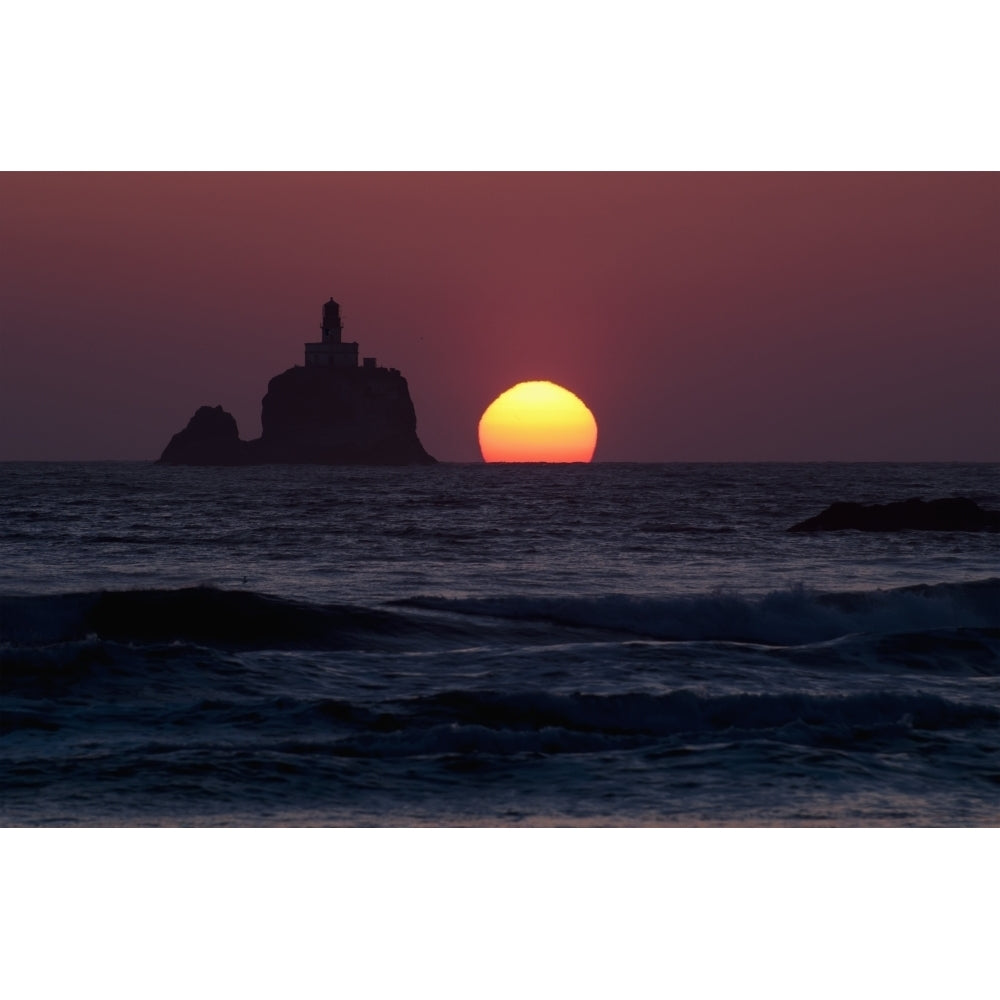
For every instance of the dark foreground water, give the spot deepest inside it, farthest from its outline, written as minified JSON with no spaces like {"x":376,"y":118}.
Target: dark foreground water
{"x":492,"y":645}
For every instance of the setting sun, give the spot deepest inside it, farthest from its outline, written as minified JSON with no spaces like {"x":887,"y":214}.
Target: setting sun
{"x":537,"y":422}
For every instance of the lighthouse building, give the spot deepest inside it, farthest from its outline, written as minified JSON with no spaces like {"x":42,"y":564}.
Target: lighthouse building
{"x":331,"y":351}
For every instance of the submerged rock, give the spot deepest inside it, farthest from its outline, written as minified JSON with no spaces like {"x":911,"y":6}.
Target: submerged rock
{"x":952,"y":514}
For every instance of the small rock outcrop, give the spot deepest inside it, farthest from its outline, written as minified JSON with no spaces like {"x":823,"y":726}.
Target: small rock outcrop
{"x":330,"y":412}
{"x":210,"y":438}
{"x":952,"y":514}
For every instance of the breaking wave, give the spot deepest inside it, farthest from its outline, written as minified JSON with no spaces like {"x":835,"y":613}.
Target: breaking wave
{"x":242,"y":620}
{"x":787,"y":617}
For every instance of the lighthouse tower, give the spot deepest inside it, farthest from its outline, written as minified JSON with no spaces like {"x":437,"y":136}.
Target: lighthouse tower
{"x":331,"y":351}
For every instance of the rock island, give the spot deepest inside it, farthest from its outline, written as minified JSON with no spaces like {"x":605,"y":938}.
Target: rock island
{"x":332,"y":411}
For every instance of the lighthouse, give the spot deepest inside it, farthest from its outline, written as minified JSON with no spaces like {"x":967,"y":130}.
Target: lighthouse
{"x":330,"y":351}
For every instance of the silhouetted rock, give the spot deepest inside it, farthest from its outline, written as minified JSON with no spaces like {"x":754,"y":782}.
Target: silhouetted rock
{"x":339,"y":416}
{"x":210,"y":438}
{"x":953,"y":514}
{"x":322,"y":416}
{"x":331,"y":412}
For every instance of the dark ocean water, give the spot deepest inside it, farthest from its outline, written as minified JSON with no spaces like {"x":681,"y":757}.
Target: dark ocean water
{"x":493,"y":645}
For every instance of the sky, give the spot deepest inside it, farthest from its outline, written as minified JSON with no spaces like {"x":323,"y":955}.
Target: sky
{"x":723,"y":316}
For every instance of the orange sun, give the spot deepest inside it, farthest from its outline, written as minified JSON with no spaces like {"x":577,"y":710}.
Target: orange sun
{"x":537,"y":422}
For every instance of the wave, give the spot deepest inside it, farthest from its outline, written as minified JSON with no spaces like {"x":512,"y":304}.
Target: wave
{"x":787,"y":617}
{"x":469,"y":726}
{"x":230,"y":619}
{"x":498,"y":722}
{"x":234,"y":619}
{"x":538,"y":722}
{"x":690,"y":712}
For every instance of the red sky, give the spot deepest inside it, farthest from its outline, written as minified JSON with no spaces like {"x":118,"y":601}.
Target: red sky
{"x":702,"y":317}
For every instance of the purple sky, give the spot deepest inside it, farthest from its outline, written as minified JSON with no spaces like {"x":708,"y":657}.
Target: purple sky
{"x":723,"y":316}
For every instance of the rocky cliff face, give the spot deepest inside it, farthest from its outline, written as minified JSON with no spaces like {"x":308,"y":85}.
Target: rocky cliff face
{"x":314,"y":415}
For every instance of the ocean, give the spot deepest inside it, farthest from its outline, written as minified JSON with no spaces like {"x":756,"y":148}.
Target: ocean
{"x":493,"y":646}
